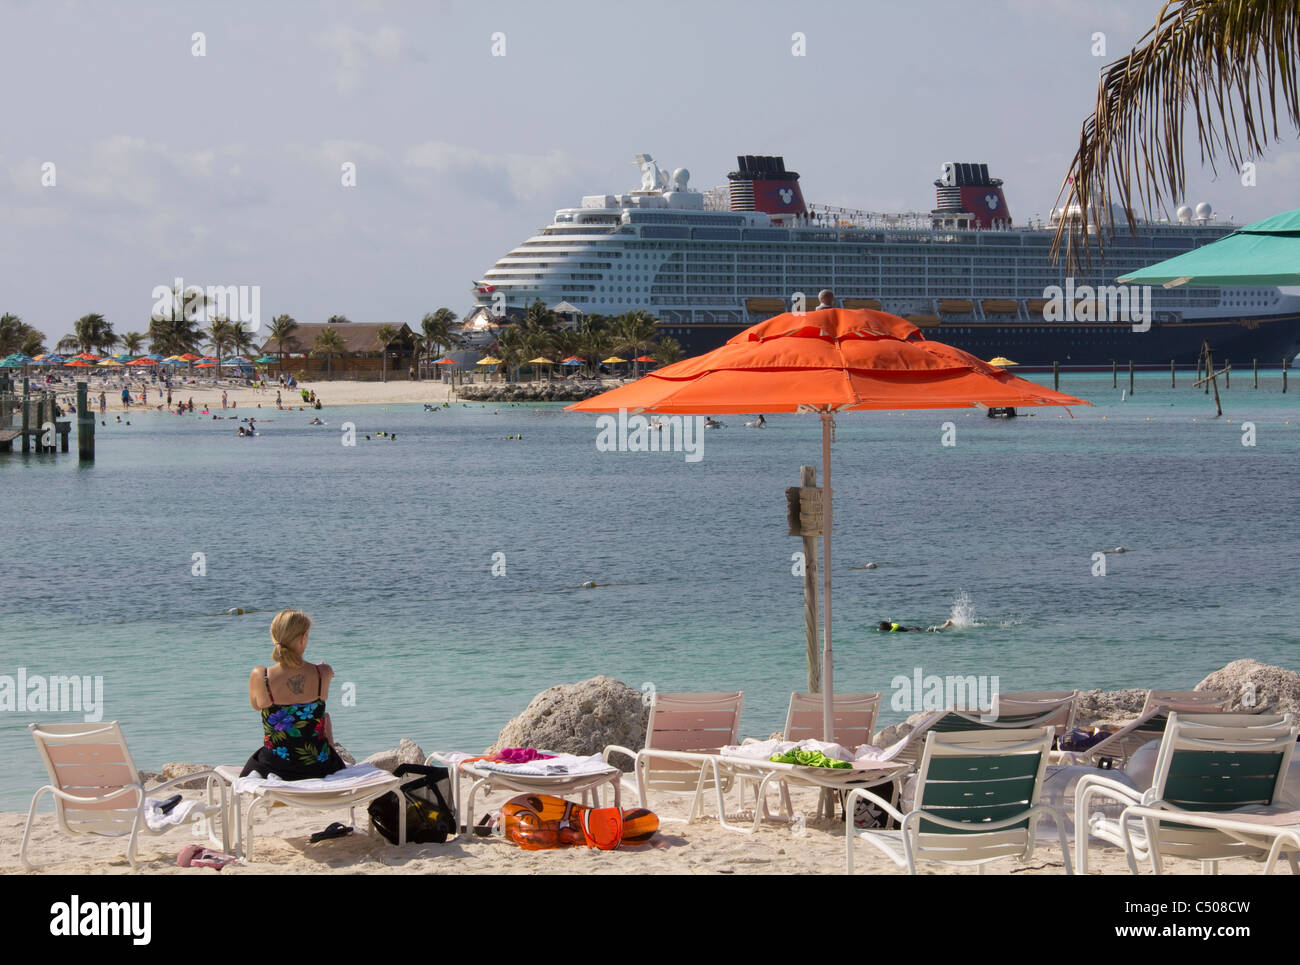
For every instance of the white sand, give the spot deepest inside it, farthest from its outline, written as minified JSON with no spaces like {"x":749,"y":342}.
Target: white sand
{"x":204,"y":393}
{"x":281,"y":847}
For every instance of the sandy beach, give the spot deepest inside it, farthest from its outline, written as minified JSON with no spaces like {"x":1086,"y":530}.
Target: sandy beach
{"x":208,"y":395}
{"x":704,"y":847}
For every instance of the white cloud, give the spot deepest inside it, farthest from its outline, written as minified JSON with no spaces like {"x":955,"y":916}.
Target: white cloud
{"x":355,"y":50}
{"x":501,"y":178}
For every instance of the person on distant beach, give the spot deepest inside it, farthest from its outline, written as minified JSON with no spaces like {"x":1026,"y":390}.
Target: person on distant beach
{"x":169,"y":396}
{"x":224,"y":402}
{"x":191,"y":405}
{"x":278,"y":403}
{"x":103,"y":403}
{"x":317,"y":401}
{"x":126,"y":398}
{"x":297,"y":740}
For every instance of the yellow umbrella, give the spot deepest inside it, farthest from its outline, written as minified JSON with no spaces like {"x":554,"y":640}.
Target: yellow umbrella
{"x":612,"y":360}
{"x":1002,"y":362}
{"x":109,"y":362}
{"x":540,"y":361}
{"x":488,"y":361}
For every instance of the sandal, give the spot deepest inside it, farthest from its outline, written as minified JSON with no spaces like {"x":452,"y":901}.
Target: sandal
{"x":335,"y":830}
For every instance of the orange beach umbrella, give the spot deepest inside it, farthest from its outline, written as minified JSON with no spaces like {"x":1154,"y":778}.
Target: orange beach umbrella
{"x":826,"y":361}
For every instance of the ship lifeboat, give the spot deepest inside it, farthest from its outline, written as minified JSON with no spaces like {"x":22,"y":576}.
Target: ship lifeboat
{"x":999,"y":306}
{"x":956,"y":306}
{"x":870,"y":303}
{"x":1036,"y":306}
{"x":766,"y":306}
{"x":923,"y":321}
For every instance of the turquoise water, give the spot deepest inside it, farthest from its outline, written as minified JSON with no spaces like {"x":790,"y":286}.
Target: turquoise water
{"x":389,"y":546}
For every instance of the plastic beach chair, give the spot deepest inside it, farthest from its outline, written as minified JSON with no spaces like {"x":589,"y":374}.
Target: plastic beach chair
{"x":97,"y":788}
{"x":853,"y":722}
{"x":1115,"y":750}
{"x":976,"y":801}
{"x":1217,"y":793}
{"x":1020,"y":710}
{"x":352,"y":787}
{"x":683,"y":736}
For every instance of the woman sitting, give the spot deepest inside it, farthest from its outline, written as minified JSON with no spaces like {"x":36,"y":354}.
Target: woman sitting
{"x":297,"y":740}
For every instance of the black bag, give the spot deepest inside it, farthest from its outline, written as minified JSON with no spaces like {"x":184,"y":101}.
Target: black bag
{"x":430,"y":818}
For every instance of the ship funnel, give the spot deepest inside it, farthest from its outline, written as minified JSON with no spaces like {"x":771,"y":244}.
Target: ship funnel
{"x":968,"y":197}
{"x":763,"y":184}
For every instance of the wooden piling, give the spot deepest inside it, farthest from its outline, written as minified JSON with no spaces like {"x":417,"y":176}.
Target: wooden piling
{"x":1130,"y":378}
{"x":85,"y":426}
{"x":1284,"y":374}
{"x":1056,"y":376}
{"x":1227,"y":374}
{"x":1114,"y":374}
{"x":27,"y":417}
{"x":1173,"y":377}
{"x":1254,"y":364}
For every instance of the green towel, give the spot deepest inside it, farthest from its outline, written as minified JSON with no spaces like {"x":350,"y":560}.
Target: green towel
{"x":808,"y":759}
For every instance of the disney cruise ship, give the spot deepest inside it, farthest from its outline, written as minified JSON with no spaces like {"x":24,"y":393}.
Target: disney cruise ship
{"x":709,"y":264}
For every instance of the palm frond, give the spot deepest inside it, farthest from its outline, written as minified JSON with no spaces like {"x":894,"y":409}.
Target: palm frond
{"x":1227,"y":62}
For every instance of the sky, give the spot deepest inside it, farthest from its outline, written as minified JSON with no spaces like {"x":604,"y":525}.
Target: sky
{"x":220,"y":159}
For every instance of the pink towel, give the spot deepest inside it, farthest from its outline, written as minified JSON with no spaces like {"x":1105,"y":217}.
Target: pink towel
{"x":520,"y":755}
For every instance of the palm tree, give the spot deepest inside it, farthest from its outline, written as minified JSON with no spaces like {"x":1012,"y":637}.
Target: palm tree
{"x":1230,"y":61}
{"x":282,"y":329}
{"x":669,"y":351}
{"x":176,"y":331}
{"x":635,"y":334}
{"x":17,"y":336}
{"x":509,"y":348}
{"x":384,"y":335}
{"x":329,"y":343}
{"x":92,"y":333}
{"x":242,"y":340}
{"x":68,"y":343}
{"x":221,"y":334}
{"x":132,"y":342}
{"x":437,"y":330}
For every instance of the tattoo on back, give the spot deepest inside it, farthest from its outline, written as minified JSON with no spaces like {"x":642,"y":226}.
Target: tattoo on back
{"x":296,"y":683}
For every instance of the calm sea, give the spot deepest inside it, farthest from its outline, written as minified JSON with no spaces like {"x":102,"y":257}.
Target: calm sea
{"x":390,"y":546}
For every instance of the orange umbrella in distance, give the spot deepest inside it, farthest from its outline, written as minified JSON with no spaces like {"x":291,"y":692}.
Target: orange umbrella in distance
{"x":826,"y":361}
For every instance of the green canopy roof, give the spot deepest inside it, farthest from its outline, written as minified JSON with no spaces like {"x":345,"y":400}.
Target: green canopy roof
{"x":1265,"y":253}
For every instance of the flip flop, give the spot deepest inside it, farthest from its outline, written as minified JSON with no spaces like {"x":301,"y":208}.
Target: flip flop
{"x":197,"y":856}
{"x":335,"y":830}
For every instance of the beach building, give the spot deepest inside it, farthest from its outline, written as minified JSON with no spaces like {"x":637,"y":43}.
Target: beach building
{"x":361,"y":355}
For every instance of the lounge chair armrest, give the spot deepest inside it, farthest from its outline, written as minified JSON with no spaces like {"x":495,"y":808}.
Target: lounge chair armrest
{"x":919,"y":815}
{"x":100,"y":799}
{"x":1093,"y":785}
{"x":861,"y":792}
{"x":618,"y":749}
{"x":172,"y":782}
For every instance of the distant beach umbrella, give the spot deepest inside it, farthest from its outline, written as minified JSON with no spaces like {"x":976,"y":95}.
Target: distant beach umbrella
{"x":488,"y":361}
{"x":141,"y":362}
{"x":612,"y":360}
{"x":1002,"y":362}
{"x":825,"y":362}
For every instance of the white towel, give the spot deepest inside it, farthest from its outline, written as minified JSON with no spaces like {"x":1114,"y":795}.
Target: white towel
{"x":357,"y":775}
{"x":156,"y":820}
{"x":561,"y":765}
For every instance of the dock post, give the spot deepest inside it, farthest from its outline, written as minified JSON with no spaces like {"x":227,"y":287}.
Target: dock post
{"x":1130,"y":377}
{"x":1056,"y":376}
{"x":1227,"y":374}
{"x":1283,"y":374}
{"x":27,"y":418}
{"x":85,"y":426}
{"x":1173,"y":378}
{"x":1114,"y":374}
{"x":1255,"y":365}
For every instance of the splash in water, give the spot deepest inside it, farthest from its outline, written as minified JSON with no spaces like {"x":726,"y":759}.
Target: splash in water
{"x":962,"y":614}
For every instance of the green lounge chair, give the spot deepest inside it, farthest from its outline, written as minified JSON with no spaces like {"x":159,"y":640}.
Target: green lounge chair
{"x":1216,"y":793}
{"x":976,"y":801}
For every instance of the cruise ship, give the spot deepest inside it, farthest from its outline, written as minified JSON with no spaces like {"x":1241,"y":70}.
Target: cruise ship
{"x":708,"y":264}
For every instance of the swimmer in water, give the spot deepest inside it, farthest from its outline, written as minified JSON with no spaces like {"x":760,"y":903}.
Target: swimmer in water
{"x":888,"y":626}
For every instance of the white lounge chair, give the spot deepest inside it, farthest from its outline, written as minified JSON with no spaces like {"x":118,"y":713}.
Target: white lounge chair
{"x":97,"y":788}
{"x":350,"y":788}
{"x":976,"y":801}
{"x":1015,"y":711}
{"x":1216,"y":793}
{"x":1115,"y":750}
{"x":683,"y":736}
{"x":853,"y":722}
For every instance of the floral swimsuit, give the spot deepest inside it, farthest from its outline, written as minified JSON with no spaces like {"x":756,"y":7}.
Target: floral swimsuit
{"x":294,"y":745}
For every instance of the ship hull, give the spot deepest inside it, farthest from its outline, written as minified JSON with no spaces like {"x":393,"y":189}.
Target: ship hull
{"x":1266,"y":338}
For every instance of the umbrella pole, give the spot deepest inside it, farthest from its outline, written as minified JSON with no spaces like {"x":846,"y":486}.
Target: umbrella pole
{"x":828,"y":685}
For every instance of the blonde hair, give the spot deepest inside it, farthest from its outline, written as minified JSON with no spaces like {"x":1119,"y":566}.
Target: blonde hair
{"x":287,"y":629}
